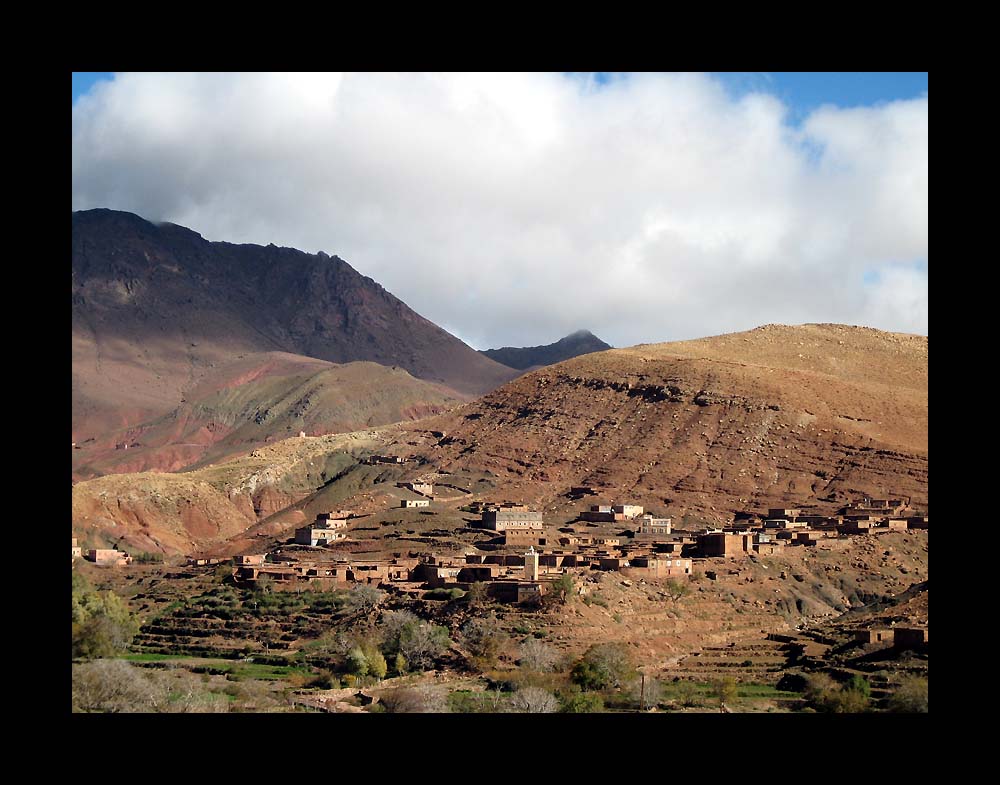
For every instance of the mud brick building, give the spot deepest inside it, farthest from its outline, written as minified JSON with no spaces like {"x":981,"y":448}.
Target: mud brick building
{"x":656,"y":567}
{"x":723,"y":544}
{"x":510,"y":518}
{"x":909,"y":637}
{"x":322,"y":531}
{"x":874,"y":636}
{"x":108,"y":557}
{"x":524,"y":537}
{"x":647,"y":524}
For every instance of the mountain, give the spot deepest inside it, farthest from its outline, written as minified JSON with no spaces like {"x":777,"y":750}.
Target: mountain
{"x":530,"y":357}
{"x":257,"y":399}
{"x":805,"y":415}
{"x":159,"y":313}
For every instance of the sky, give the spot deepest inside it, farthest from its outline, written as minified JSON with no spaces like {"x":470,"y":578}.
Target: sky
{"x":513,"y":209}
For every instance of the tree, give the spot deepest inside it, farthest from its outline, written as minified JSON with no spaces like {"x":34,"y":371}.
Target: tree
{"x":534,"y":700}
{"x":377,"y":666}
{"x":417,"y":640}
{"x":102,"y":623}
{"x":399,"y":664}
{"x":363,"y":598}
{"x":478,"y":595}
{"x":603,"y":666}
{"x":676,"y":589}
{"x":537,"y":656}
{"x":484,"y":639}
{"x":910,"y":696}
{"x":357,"y":663}
{"x":563,"y":587}
{"x":724,"y":690}
{"x":264,"y":584}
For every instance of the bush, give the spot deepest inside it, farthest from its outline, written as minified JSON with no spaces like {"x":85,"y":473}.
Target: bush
{"x":537,"y":656}
{"x":574,"y":701}
{"x":910,"y":696}
{"x":415,"y":700}
{"x":602,"y":666}
{"x":418,"y":641}
{"x":825,"y":695}
{"x":687,"y":693}
{"x":484,"y":639}
{"x":534,"y":700}
{"x":102,"y":624}
{"x":364,"y":599}
{"x":444,"y":594}
{"x":478,"y":596}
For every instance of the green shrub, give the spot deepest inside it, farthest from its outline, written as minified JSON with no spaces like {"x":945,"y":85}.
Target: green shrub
{"x":910,"y":696}
{"x":444,"y":594}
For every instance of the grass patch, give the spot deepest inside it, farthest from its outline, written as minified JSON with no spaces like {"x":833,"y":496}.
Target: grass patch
{"x":154,"y":657}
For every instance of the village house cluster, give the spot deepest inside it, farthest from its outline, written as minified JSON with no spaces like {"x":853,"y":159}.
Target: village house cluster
{"x":789,"y":526}
{"x":521,"y":562}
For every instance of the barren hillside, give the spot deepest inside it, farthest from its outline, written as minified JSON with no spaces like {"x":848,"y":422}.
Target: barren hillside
{"x":257,"y":399}
{"x":158,"y":311}
{"x":806,"y":415}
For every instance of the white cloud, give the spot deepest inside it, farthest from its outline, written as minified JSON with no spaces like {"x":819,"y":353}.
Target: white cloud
{"x":514,"y":208}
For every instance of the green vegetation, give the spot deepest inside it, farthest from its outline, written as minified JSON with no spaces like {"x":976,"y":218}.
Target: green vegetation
{"x":594,"y":599}
{"x":676,"y":589}
{"x":419,"y":641}
{"x":603,"y":666}
{"x":484,"y":640}
{"x":826,"y":695}
{"x":562,"y":587}
{"x":477,"y":596}
{"x":102,"y":624}
{"x":444,"y":594}
{"x":910,"y":696}
{"x":573,"y":700}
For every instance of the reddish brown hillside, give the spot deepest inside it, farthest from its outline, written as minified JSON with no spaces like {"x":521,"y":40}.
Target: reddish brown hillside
{"x":157,"y":310}
{"x":811,"y":414}
{"x":257,"y":399}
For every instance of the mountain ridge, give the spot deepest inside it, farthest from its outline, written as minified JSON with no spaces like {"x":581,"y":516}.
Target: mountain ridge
{"x":530,"y":357}
{"x":158,"y":310}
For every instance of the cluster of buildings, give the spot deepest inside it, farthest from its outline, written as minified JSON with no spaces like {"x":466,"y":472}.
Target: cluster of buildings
{"x":787,"y":526}
{"x":373,"y":460}
{"x":899,"y":637}
{"x":106,"y":557}
{"x":328,"y":527}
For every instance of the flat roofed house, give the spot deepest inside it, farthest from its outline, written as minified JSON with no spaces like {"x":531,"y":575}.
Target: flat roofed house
{"x":108,"y":557}
{"x":504,"y":519}
{"x":650,"y":525}
{"x":318,"y":535}
{"x":726,"y":545}
{"x":783,"y":512}
{"x":628,"y":510}
{"x":414,"y":503}
{"x":77,"y":551}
